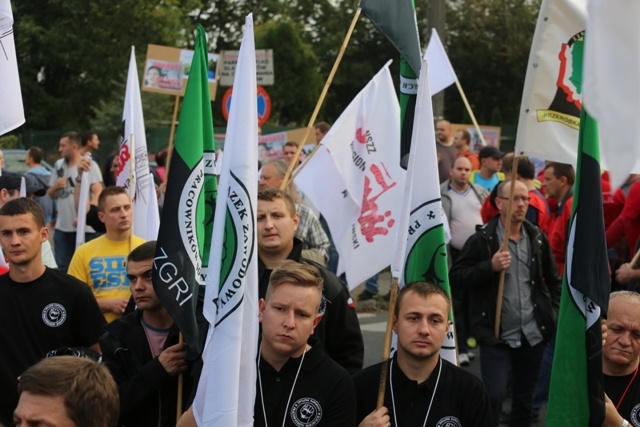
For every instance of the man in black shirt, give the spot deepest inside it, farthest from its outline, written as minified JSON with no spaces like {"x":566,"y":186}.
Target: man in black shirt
{"x":422,"y":389}
{"x":339,"y":329}
{"x":43,"y":309}
{"x":620,"y":359}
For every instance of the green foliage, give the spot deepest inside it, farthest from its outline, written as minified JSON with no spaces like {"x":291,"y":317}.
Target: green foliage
{"x":295,"y":66}
{"x":488,"y":44}
{"x":73,"y":53}
{"x":9,"y":141}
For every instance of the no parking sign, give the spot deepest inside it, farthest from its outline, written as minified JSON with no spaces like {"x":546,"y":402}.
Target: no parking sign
{"x":264,"y":105}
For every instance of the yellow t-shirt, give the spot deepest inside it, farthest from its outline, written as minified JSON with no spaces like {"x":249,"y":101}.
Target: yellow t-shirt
{"x":102,"y":264}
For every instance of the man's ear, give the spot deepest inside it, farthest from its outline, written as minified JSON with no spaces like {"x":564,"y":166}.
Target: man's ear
{"x":296,"y":221}
{"x":261,"y":307}
{"x":316,"y":321}
{"x":101,"y":216}
{"x":395,"y":324}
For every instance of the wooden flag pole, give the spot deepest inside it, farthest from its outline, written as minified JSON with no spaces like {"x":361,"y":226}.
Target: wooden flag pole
{"x":634,"y":261}
{"x":172,"y":134}
{"x":386,"y":350}
{"x":323,"y":94}
{"x":180,"y":387}
{"x":132,"y":165}
{"x":505,"y":246}
{"x":473,"y":117}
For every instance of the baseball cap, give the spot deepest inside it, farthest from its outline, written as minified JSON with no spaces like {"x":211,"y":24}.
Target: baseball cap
{"x":12,"y":181}
{"x":490,"y":152}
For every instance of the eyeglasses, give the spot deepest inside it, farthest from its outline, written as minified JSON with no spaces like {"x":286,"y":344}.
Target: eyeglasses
{"x":516,"y":199}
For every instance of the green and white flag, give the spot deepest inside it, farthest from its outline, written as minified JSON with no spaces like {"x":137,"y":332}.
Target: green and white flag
{"x":576,"y":395}
{"x":227,"y":387}
{"x":421,"y":253}
{"x":184,"y":238}
{"x":397,"y":21}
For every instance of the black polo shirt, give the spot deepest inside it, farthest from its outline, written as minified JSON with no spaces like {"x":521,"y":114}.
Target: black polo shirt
{"x":460,"y":400}
{"x":323,"y":394}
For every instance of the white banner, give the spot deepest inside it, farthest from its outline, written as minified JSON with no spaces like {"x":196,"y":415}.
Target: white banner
{"x":134,"y":140}
{"x":11,"y":109}
{"x":612,"y":83}
{"x":441,"y":73}
{"x":364,"y":146}
{"x":227,"y":388}
{"x":551,"y":100}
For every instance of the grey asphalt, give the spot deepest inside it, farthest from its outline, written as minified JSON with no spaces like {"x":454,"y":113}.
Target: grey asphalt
{"x":373,"y":322}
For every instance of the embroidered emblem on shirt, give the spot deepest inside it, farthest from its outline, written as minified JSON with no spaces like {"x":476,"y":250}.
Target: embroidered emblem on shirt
{"x":54,"y":315}
{"x":306,"y":412}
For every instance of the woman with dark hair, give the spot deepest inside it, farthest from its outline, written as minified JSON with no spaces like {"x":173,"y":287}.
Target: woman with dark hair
{"x":110,"y":169}
{"x":161,"y":160}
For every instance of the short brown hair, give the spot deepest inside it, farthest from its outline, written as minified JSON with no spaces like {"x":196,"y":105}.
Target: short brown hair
{"x":322,"y":126}
{"x":73,"y":138}
{"x":113,"y":190}
{"x":297,"y":274}
{"x":290,"y":144}
{"x":21,"y":206}
{"x":89,"y":391}
{"x":425,"y":290}
{"x":465,"y":135}
{"x":35,"y":153}
{"x":563,"y":169}
{"x":271,"y":194}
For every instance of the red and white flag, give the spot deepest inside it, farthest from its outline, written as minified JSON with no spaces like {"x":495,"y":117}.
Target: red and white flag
{"x":133,"y":150}
{"x":363,"y":145}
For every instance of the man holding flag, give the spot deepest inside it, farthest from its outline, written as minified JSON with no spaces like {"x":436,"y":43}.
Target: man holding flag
{"x":184,"y":238}
{"x":529,"y":304}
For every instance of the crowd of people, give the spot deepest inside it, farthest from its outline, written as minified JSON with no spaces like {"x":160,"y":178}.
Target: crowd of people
{"x":99,"y":299}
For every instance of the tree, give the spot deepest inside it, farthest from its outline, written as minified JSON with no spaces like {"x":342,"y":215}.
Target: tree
{"x":73,"y":53}
{"x":488,"y":45}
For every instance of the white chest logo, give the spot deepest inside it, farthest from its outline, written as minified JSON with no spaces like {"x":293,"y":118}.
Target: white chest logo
{"x":54,"y":315}
{"x":635,"y":415}
{"x":449,"y":422}
{"x":306,"y":412}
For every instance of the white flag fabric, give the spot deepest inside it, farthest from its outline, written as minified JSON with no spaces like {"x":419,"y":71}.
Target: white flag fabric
{"x":552,"y":95}
{"x":611,"y":83}
{"x":83,"y":202}
{"x":364,"y":146}
{"x":227,"y":388}
{"x":134,"y":139}
{"x":11,"y":109}
{"x":441,"y":73}
{"x":154,"y":213}
{"x":425,"y":251}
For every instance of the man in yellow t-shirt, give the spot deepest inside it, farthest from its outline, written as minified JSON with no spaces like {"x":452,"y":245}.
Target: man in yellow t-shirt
{"x":101,"y":263}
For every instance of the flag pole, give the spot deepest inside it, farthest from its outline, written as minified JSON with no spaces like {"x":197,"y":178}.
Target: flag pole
{"x":323,"y":94}
{"x":386,"y":349}
{"x":505,"y":246}
{"x":473,"y":117}
{"x":132,"y":165}
{"x":634,"y":261}
{"x":172,"y":135}
{"x":180,"y":387}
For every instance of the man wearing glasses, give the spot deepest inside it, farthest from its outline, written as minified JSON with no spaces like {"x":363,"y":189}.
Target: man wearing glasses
{"x":529,"y":303}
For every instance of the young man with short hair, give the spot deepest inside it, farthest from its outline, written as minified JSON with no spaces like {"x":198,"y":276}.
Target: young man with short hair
{"x":43,"y":309}
{"x":142,"y":351}
{"x":422,"y":388}
{"x":100,"y":263}
{"x":67,"y":391}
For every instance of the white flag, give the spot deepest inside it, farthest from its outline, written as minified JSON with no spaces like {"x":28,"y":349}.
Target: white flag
{"x":11,"y":110}
{"x":424,"y":251}
{"x":83,"y":202}
{"x":364,"y":146}
{"x":551,"y":99}
{"x":134,"y":139}
{"x":227,"y":388}
{"x":154,"y":213}
{"x":441,"y":73}
{"x":611,"y":83}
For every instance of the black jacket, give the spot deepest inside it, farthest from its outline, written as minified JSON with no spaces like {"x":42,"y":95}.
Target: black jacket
{"x":145,"y":387}
{"x":339,"y":330}
{"x":472,"y":271}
